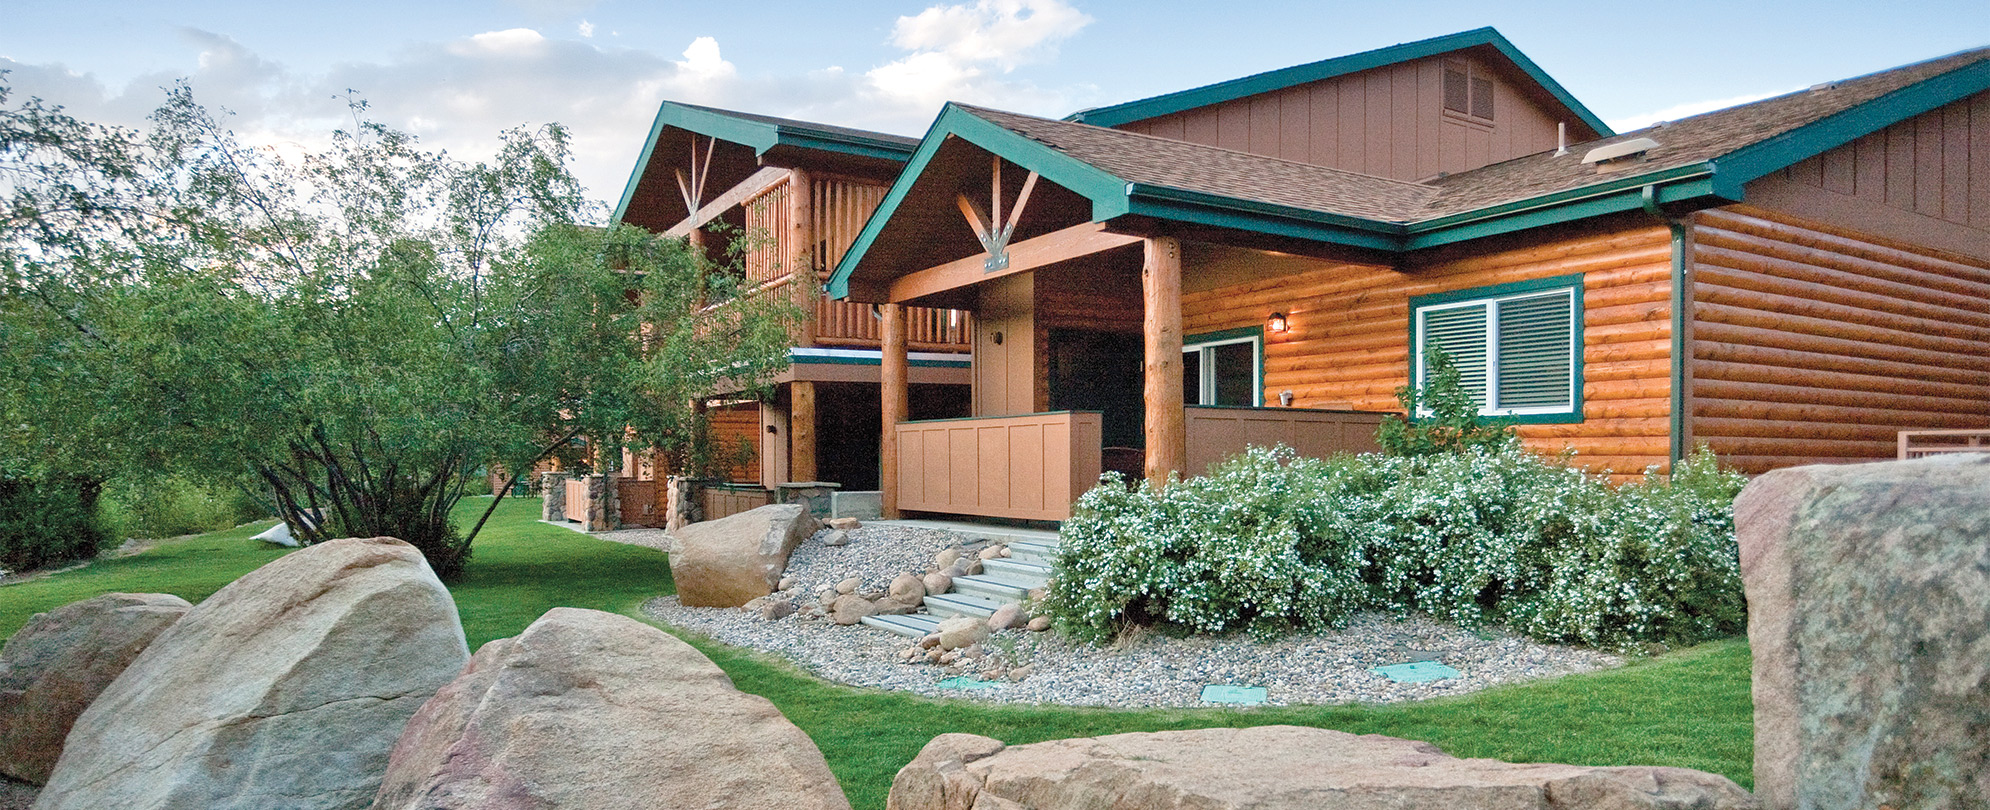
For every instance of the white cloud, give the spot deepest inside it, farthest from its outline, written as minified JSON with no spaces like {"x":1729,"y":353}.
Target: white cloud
{"x":459,"y":94}
{"x":586,"y":29}
{"x":1687,"y":110}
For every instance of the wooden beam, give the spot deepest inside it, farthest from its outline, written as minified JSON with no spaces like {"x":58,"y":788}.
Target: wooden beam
{"x":978,"y":220}
{"x":1070,"y":243}
{"x":895,"y":391}
{"x":754,"y":184}
{"x":1161,"y":291}
{"x":801,"y":431}
{"x":1016,"y":212}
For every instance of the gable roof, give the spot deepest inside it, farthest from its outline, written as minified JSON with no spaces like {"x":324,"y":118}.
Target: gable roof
{"x":1269,"y":81}
{"x":762,"y":133}
{"x":1700,"y":161}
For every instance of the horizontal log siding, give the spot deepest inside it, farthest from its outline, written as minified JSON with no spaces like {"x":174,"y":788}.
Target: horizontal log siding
{"x":1813,"y":344}
{"x":1349,"y":338}
{"x":732,"y":428}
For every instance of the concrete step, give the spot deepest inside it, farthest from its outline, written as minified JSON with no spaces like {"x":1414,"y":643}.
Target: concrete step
{"x":908,"y":625}
{"x":993,"y":586}
{"x":1035,"y":574}
{"x":1033,"y":551}
{"x":947,"y":605}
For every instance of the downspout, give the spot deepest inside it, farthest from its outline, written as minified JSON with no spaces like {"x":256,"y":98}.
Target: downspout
{"x":1676,"y":449}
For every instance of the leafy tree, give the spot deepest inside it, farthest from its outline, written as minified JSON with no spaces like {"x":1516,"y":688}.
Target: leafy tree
{"x":355,"y":333}
{"x":1442,"y":417}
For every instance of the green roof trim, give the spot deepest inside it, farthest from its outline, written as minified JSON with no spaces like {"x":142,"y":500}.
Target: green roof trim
{"x":760,"y":133}
{"x":1797,"y":145}
{"x":1057,"y":167}
{"x":1251,"y":215}
{"x":1679,"y":184}
{"x":1282,"y":78}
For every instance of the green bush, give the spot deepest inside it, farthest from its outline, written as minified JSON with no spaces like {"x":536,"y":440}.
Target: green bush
{"x":1269,"y":542}
{"x":173,"y":506}
{"x":45,"y":522}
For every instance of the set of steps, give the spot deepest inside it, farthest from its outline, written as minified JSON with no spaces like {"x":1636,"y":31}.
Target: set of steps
{"x":1002,"y":581}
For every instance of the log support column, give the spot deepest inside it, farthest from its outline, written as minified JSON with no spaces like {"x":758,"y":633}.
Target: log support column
{"x":1161,"y":288}
{"x":801,"y":431}
{"x":896,"y":401}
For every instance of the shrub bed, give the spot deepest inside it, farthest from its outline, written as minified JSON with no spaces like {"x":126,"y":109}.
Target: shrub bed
{"x":1493,"y":534}
{"x":48,"y":521}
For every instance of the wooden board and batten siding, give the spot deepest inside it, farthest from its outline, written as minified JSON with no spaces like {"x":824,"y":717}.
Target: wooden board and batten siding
{"x":1029,"y":467}
{"x":1217,"y":433}
{"x":1390,"y":122}
{"x":1817,"y":344}
{"x":1348,"y":342}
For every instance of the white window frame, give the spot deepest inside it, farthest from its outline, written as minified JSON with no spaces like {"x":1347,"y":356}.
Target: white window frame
{"x":1492,"y":304}
{"x":1206,"y":357}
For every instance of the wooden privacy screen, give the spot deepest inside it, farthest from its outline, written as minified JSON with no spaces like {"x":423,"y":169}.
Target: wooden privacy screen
{"x":641,"y":501}
{"x":1215,"y":434}
{"x":1030,"y":467}
{"x":575,"y":505}
{"x":726,"y":501}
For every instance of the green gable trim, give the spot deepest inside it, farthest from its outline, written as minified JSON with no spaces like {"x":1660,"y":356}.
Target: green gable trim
{"x":1229,"y":212}
{"x":1282,"y":78}
{"x":1797,"y":145}
{"x":1104,"y":190}
{"x":758,"y":135}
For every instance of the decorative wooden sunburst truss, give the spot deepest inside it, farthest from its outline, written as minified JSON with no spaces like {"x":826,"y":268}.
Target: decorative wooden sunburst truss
{"x":692,"y":185}
{"x":987,"y":222}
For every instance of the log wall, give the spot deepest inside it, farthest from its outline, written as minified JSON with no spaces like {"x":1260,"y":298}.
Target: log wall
{"x":1348,"y":346}
{"x":1816,"y":344}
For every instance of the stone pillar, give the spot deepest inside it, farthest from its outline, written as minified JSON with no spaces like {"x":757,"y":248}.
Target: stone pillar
{"x":673,"y":503}
{"x":602,"y":512}
{"x":553,"y":501}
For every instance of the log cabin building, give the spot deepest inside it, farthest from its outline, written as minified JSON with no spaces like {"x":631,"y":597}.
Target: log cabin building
{"x":1156,"y":283}
{"x":800,"y":192}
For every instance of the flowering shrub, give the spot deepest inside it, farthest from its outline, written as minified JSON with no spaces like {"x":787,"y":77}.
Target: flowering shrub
{"x":1269,"y":542}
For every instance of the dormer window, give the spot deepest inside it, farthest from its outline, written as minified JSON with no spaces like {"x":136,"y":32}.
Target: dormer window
{"x":1468,"y":91}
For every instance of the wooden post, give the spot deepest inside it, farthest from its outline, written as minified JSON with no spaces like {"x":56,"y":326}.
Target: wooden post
{"x":1161,"y":286}
{"x":801,"y":431}
{"x":896,"y":394}
{"x":802,"y":280}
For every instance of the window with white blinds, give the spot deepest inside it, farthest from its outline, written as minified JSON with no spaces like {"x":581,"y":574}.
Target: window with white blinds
{"x":1516,"y":352}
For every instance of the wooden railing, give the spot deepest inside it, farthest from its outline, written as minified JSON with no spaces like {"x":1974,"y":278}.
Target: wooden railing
{"x":1920,"y":443}
{"x":848,"y":323}
{"x":1217,"y":433}
{"x":1030,"y":467}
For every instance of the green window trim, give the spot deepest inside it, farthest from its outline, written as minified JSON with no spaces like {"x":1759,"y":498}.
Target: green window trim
{"x":1207,"y":341}
{"x":1509,"y":335}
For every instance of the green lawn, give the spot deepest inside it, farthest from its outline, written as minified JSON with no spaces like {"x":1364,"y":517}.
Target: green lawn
{"x":1689,"y":708}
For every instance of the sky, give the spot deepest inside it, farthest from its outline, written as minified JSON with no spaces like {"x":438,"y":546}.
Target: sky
{"x":458,"y":73}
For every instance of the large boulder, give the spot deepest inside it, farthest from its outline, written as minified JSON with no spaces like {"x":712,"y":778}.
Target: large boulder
{"x":733,"y":560}
{"x":593,"y":710}
{"x":286,"y":688}
{"x":1275,"y":768}
{"x":1869,"y":620}
{"x":59,"y":662}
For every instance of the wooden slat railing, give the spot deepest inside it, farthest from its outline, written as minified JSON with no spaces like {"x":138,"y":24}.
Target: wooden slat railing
{"x":1030,"y":467}
{"x":772,"y":255}
{"x":847,"y":323}
{"x":1920,"y":443}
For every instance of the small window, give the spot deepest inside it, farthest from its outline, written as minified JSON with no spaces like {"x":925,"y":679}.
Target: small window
{"x":1516,"y":346}
{"x":1223,"y":368}
{"x":1468,"y":90}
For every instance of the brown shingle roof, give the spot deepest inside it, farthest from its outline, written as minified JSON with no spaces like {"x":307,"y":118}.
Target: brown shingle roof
{"x":1240,"y":175}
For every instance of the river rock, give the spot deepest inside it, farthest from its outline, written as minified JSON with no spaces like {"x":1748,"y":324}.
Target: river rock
{"x":907,"y":587}
{"x":1005,"y":617}
{"x":850,"y":609}
{"x":991,"y":552}
{"x":837,"y":537}
{"x":1869,"y":621}
{"x":592,"y":710}
{"x":729,"y":561}
{"x":961,"y":631}
{"x":58,"y":662}
{"x":777,"y":609}
{"x":848,"y":524}
{"x":288,"y":686}
{"x":946,"y":559}
{"x":1275,"y":768}
{"x":937,"y":583}
{"x":1039,"y":624}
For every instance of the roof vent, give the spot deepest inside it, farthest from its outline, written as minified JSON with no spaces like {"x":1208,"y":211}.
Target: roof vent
{"x":1819,"y":88}
{"x":1631,"y":151}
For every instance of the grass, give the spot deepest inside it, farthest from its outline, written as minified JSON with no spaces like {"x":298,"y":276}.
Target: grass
{"x":1689,"y":708}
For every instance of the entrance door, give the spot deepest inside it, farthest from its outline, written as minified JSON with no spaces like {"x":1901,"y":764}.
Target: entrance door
{"x":1100,"y":371}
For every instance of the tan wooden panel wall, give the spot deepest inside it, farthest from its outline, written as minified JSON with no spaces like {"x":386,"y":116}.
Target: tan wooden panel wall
{"x":1349,"y":340}
{"x":721,"y":502}
{"x":1936,"y":164}
{"x":734,"y":427}
{"x":1814,"y":344}
{"x":1027,"y":467}
{"x":1215,"y":434}
{"x":1389,"y":122}
{"x":1006,"y":381}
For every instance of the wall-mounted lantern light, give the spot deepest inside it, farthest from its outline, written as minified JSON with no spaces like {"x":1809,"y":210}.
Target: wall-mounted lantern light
{"x":1277,"y":324}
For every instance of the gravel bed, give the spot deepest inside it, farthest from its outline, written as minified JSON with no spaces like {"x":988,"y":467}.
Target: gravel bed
{"x":1147,"y":670}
